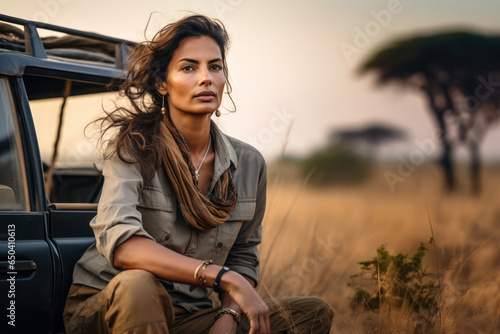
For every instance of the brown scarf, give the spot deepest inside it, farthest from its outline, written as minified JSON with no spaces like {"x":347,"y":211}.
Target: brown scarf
{"x":202,"y":213}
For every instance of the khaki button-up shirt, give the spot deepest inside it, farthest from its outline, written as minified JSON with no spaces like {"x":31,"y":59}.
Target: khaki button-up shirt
{"x":130,"y":206}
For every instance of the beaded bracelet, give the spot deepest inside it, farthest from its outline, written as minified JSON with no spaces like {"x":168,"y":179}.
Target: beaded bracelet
{"x":223,"y":311}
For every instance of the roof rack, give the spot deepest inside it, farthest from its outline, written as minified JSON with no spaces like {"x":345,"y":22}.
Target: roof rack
{"x":34,"y":45}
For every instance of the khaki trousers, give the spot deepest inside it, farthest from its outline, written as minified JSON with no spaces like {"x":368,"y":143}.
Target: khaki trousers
{"x":135,"y":301}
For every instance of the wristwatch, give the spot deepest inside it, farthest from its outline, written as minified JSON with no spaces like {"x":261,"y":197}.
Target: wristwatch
{"x":217,"y":279}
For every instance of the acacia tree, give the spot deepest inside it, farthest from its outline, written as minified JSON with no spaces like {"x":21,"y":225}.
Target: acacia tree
{"x":459,"y":75}
{"x":369,"y":137}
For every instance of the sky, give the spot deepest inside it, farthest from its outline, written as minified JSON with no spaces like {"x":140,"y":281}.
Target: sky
{"x":293,"y":63}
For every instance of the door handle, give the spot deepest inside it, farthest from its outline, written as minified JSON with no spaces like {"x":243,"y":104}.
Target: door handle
{"x":22,"y":268}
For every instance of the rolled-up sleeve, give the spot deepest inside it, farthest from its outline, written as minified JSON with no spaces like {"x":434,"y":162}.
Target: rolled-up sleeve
{"x":244,"y":255}
{"x":117,"y":216}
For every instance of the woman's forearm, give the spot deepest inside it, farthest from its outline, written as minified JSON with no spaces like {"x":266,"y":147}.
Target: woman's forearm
{"x":143,"y":253}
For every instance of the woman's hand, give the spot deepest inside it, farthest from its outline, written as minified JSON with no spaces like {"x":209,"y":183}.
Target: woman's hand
{"x":248,"y":300}
{"x":224,"y":325}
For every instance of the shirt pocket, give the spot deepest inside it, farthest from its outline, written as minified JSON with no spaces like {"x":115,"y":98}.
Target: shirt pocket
{"x":158,"y":214}
{"x":154,"y":199}
{"x":229,"y":230}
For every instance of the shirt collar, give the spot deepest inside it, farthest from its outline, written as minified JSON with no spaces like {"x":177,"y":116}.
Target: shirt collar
{"x":224,"y":151}
{"x":224,"y":154}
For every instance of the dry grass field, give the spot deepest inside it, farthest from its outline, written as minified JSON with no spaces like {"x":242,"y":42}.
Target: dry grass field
{"x":314,"y":238}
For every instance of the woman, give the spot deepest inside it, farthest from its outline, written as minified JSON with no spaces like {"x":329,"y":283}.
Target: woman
{"x":181,"y":206}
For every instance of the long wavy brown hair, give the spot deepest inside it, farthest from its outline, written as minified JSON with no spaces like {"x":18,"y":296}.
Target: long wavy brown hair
{"x":138,"y":126}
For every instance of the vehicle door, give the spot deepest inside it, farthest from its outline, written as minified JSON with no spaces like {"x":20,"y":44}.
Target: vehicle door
{"x":26,"y":255}
{"x":60,"y":115}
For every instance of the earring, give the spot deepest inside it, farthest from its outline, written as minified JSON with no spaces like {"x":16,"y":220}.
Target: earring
{"x":163,"y":105}
{"x":217,"y":113}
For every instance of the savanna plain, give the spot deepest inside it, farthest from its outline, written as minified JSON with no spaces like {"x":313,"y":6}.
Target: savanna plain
{"x":313,"y":239}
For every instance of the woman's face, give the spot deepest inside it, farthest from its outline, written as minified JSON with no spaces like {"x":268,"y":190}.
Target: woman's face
{"x":195,"y":77}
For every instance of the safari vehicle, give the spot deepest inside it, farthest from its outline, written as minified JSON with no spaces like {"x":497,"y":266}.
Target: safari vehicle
{"x":48,"y":185}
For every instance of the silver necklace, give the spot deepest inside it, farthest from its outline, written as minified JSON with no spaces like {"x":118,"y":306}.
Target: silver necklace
{"x":196,"y":172}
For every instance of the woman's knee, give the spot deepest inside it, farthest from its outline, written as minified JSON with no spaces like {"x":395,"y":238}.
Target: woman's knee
{"x":322,"y":308}
{"x":136,"y":287}
{"x":136,"y":297}
{"x":309,"y":314}
{"x":134,"y":277}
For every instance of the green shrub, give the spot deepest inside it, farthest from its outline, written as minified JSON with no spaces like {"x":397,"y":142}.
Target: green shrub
{"x":336,"y":165}
{"x":395,"y":280}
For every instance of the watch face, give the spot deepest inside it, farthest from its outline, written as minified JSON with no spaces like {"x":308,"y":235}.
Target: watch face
{"x":226,"y":268}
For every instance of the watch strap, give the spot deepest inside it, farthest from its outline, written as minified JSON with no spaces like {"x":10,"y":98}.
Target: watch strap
{"x":217,"y":279}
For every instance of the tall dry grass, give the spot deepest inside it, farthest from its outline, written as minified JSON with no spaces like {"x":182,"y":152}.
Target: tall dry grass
{"x":313,"y":240}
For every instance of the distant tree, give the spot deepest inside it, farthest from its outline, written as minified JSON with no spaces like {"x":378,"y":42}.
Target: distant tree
{"x":459,"y":74}
{"x":369,"y":137}
{"x":336,"y":165}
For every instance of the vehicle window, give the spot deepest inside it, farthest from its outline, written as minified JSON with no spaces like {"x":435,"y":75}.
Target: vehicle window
{"x":77,"y":146}
{"x":13,"y":185}
{"x":73,"y":178}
